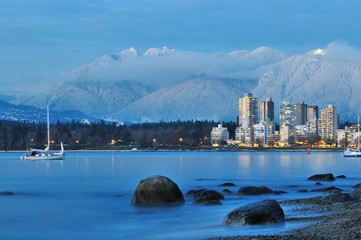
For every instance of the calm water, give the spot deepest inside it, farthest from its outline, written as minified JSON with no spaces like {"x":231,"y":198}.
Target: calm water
{"x":88,"y":195}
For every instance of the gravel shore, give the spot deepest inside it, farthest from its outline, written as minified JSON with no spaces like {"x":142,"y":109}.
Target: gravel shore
{"x":333,"y":220}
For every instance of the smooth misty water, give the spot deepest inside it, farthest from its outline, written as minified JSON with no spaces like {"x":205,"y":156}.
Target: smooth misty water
{"x":88,"y":195}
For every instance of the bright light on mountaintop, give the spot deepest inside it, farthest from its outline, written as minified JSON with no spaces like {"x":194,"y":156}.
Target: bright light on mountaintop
{"x":319,"y":52}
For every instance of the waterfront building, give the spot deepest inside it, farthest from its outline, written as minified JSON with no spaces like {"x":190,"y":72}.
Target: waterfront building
{"x":245,"y":136}
{"x":248,"y":110}
{"x":312,"y":127}
{"x":300,"y":113}
{"x":344,"y":137}
{"x":219,"y":134}
{"x":272,"y":139}
{"x":286,"y":114}
{"x":287,"y":134}
{"x":328,"y":124}
{"x":267,"y":110}
{"x":260,"y":132}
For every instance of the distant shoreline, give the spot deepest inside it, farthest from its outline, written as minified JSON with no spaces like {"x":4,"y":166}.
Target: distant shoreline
{"x":192,"y":150}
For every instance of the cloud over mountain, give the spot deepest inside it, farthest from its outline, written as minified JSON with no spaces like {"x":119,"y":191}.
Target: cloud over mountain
{"x":169,"y":84}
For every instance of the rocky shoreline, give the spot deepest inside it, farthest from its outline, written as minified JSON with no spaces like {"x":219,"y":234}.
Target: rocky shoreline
{"x":334,"y":220}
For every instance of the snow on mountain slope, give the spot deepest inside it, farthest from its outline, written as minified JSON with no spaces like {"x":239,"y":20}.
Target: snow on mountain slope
{"x":166,"y":84}
{"x":261,"y":54}
{"x":96,"y":98}
{"x":199,"y":98}
{"x":316,"y":80}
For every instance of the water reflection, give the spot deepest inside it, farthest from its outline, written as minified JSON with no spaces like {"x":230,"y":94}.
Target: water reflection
{"x":244,"y":161}
{"x":285,"y":160}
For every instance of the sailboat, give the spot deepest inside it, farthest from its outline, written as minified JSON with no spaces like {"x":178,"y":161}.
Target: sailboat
{"x":38,"y":154}
{"x":354,"y":152}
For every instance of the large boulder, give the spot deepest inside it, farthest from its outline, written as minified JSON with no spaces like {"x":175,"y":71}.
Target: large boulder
{"x":322,"y":177}
{"x":157,"y":190}
{"x":206,"y":197}
{"x":338,"y":197}
{"x":266,"y":211}
{"x":251,"y":190}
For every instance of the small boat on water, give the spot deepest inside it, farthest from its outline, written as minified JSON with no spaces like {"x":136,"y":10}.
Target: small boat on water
{"x":354,"y":152}
{"x":38,"y":154}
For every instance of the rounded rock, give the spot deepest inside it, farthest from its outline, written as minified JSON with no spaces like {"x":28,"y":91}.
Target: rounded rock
{"x":157,"y":190}
{"x":266,"y":211}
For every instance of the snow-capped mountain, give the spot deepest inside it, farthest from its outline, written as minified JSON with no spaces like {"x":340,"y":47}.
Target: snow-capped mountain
{"x":168,"y":84}
{"x":316,"y":80}
{"x":96,"y":98}
{"x":199,"y":98}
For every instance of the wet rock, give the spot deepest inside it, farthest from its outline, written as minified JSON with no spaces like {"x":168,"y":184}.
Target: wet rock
{"x":318,"y":183}
{"x":340,"y":176}
{"x":266,"y":211}
{"x":279,"y":192}
{"x":226,"y":192}
{"x":6,"y":193}
{"x":338,"y":197}
{"x":322,"y":177}
{"x":325,"y":189}
{"x":191,"y":192}
{"x":227,"y":185}
{"x":302,"y":191}
{"x":357,"y":186}
{"x":157,"y":190}
{"x":251,"y":190}
{"x":207,"y":197}
{"x":292,"y":186}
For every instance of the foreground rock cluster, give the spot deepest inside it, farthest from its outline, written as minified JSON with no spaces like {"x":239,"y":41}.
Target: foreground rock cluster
{"x":340,"y":221}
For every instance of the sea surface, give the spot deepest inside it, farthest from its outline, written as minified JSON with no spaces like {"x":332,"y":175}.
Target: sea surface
{"x":87,"y":196}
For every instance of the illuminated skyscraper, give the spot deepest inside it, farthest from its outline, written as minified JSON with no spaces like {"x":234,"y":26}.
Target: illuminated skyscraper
{"x":248,"y":110}
{"x":300,"y":113}
{"x":267,"y":110}
{"x":287,"y":116}
{"x":328,"y":124}
{"x":312,"y":113}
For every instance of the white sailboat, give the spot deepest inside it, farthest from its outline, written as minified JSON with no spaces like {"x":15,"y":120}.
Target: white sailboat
{"x":354,"y":152}
{"x":38,"y":154}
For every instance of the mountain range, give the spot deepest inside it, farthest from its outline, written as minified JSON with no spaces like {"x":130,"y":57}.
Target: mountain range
{"x":168,"y":84}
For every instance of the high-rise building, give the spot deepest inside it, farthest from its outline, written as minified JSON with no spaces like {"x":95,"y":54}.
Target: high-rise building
{"x":328,"y":124}
{"x":312,"y":113}
{"x":287,"y":116}
{"x":300,"y":113}
{"x":267,"y":110}
{"x":248,"y":110}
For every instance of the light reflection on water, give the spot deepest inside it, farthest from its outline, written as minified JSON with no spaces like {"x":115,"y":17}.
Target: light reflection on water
{"x":88,"y":195}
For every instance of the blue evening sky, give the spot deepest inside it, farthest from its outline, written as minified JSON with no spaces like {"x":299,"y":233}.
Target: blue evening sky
{"x":47,"y":36}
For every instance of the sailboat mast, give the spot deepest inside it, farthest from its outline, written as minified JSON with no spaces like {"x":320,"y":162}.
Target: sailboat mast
{"x":48,"y":125}
{"x":358,"y":132}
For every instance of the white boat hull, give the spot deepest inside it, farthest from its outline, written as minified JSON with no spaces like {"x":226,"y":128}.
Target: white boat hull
{"x":352,"y":153}
{"x":49,"y":157}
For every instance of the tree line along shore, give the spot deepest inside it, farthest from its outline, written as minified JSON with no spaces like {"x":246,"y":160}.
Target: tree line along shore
{"x":190,"y":135}
{"x":16,"y":135}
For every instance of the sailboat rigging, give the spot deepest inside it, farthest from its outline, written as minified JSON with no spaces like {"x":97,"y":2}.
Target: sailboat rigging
{"x":38,"y":154}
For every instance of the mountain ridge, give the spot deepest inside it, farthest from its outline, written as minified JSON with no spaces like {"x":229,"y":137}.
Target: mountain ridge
{"x":168,"y":84}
